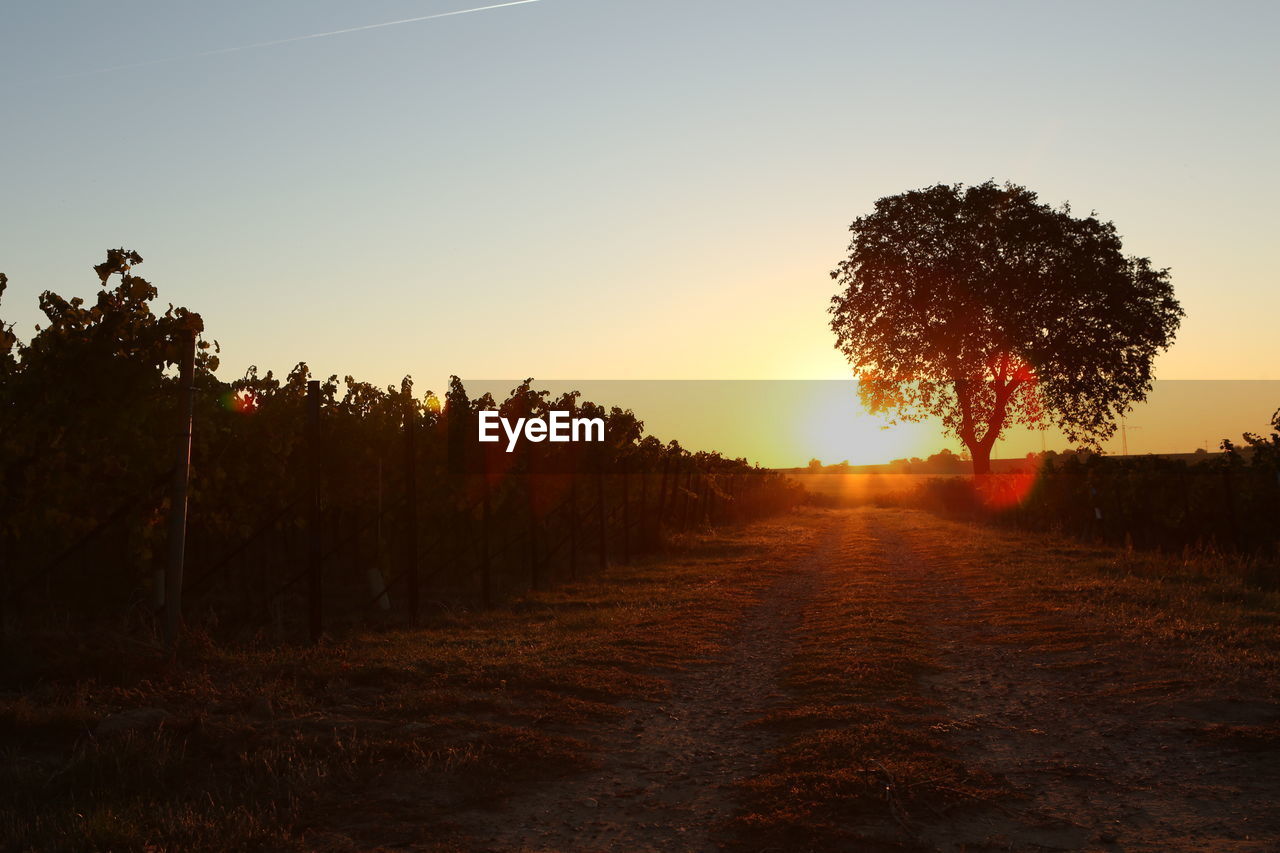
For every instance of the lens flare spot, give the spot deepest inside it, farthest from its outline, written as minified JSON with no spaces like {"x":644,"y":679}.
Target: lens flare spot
{"x":1002,"y":491}
{"x":243,"y":401}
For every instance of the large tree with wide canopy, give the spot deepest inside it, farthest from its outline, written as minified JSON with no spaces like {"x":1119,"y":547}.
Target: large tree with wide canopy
{"x":983,"y":307}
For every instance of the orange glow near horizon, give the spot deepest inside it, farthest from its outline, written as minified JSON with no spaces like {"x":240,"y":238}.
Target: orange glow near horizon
{"x":839,"y":428}
{"x":784,"y":424}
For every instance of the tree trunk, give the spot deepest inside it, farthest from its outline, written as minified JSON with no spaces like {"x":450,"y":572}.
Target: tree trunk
{"x":981,"y":455}
{"x":980,"y":448}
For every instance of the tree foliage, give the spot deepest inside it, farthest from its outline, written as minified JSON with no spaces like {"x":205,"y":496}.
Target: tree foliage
{"x":985,"y":308}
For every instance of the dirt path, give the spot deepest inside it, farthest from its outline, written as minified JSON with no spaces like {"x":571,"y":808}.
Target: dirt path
{"x":1102,"y":737}
{"x":667,"y":775}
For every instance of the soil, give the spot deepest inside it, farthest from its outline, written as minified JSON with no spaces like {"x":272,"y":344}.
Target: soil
{"x":1108,"y":740}
{"x":669,"y":771}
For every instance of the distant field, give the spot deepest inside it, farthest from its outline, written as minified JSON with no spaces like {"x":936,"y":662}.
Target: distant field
{"x":859,"y":488}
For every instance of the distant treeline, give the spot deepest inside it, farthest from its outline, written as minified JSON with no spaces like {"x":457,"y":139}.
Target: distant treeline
{"x":947,"y":462}
{"x":288,"y":471}
{"x":1226,"y":501}
{"x":943,"y":462}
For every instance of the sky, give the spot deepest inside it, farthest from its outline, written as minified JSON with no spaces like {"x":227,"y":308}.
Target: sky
{"x":612,"y":189}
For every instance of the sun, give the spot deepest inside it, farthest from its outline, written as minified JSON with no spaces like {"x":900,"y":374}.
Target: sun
{"x":833,"y":426}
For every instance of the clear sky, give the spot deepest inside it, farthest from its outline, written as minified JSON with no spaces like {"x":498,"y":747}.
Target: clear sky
{"x":613,"y":188}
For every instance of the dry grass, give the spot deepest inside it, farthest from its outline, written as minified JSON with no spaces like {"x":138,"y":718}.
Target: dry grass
{"x":1201,"y":603}
{"x":369,"y":741}
{"x":853,"y":489}
{"x":961,"y":687}
{"x":864,"y":760}
{"x":950,"y":685}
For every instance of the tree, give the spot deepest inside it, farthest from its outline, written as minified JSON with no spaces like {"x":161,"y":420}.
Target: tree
{"x":945,"y":461}
{"x":982,"y":307}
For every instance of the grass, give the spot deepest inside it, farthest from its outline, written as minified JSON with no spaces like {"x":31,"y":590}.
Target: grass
{"x":863,"y":759}
{"x":853,"y":489}
{"x":368,"y":741}
{"x":1201,"y":603}
{"x":909,"y":661}
{"x":880,"y":722}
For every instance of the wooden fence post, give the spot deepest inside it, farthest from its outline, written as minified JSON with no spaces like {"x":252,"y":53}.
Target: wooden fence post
{"x":573,"y":525}
{"x":178,"y":495}
{"x":688,"y":496}
{"x":377,"y":579}
{"x":411,"y":509}
{"x":662,"y":493}
{"x":645,"y":540}
{"x":626,"y":514}
{"x":602,"y":518}
{"x":486,"y":591}
{"x":1233,"y":529}
{"x":535,"y":581}
{"x":711,"y":500}
{"x":5,"y":547}
{"x":315,"y":525}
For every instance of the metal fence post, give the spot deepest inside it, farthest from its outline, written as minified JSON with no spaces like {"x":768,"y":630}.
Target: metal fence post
{"x":178,"y":495}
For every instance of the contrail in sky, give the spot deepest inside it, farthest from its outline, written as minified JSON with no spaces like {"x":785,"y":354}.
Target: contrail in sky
{"x":260,"y":44}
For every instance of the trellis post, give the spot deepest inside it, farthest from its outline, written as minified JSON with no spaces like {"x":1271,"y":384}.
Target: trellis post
{"x":178,"y":494}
